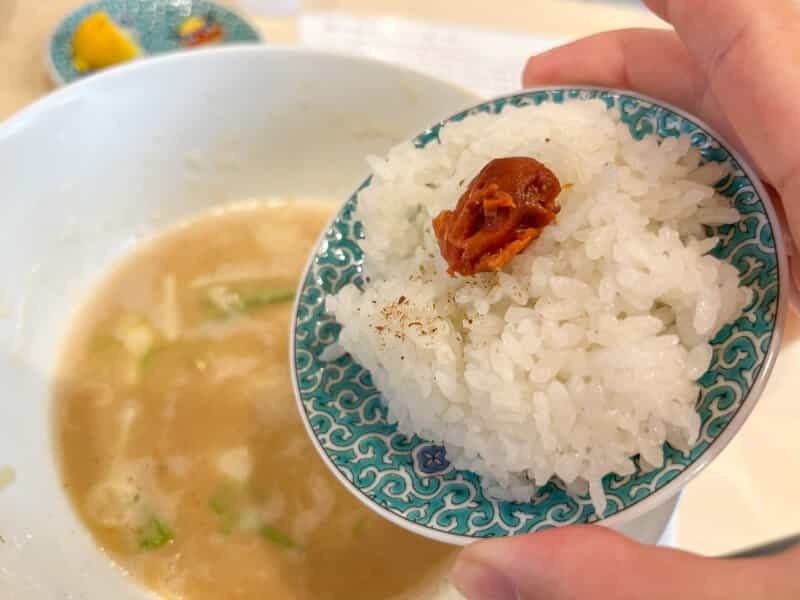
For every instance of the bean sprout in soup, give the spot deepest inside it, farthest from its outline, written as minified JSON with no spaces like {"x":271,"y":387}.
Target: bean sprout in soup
{"x":178,"y":435}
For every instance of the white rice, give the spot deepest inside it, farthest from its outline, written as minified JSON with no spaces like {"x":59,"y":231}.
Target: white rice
{"x":584,"y":351}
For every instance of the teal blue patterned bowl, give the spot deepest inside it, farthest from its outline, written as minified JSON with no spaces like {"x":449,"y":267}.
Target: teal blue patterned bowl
{"x":154,"y":24}
{"x":410,"y":481}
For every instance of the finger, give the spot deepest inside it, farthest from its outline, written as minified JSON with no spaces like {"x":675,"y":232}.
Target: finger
{"x":657,"y":63}
{"x":791,"y":248}
{"x":750,"y":55}
{"x":649,"y":61}
{"x":585,"y":562}
{"x":659,"y":7}
{"x":625,"y":59}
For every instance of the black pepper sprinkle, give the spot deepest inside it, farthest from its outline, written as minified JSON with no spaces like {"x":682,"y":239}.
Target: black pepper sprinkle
{"x":547,"y":140}
{"x":401,"y":300}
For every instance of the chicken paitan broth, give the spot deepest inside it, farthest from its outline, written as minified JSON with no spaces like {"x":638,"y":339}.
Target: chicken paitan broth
{"x":178,"y":435}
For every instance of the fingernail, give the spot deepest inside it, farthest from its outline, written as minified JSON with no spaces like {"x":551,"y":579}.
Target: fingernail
{"x":479,"y":581}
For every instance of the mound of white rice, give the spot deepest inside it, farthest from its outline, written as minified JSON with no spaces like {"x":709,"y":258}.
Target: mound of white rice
{"x":584,"y":351}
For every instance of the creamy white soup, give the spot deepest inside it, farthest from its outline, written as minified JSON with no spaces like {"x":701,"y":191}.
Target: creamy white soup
{"x":177,"y":431}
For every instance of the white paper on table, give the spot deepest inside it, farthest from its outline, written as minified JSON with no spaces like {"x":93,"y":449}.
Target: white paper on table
{"x":488,"y":63}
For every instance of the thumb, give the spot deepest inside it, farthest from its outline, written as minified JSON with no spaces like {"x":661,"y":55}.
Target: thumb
{"x":589,"y":562}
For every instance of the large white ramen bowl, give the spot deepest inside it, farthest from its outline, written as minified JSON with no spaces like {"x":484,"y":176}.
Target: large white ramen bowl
{"x":92,"y":169}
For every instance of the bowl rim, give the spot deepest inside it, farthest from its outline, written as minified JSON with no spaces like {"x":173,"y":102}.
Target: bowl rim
{"x":673,"y":487}
{"x":106,"y":77}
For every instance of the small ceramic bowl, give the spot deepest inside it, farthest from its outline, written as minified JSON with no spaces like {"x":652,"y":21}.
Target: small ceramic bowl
{"x":156,"y":27}
{"x":410,"y":481}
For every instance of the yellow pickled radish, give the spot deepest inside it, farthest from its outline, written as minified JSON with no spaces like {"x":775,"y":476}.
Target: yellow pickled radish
{"x":98,"y":42}
{"x":190,"y":26}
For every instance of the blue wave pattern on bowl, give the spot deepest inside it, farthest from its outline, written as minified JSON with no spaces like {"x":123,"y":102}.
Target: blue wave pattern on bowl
{"x":153,"y":22}
{"x":411,"y":477}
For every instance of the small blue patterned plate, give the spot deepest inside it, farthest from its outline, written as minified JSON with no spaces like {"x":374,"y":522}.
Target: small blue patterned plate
{"x":156,"y":26}
{"x":410,"y":481}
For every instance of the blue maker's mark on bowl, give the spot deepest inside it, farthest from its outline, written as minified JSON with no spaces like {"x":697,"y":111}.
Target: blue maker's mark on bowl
{"x":430,"y":459}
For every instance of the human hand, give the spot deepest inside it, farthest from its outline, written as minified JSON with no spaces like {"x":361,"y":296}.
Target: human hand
{"x":734,"y":64}
{"x":590,"y":562}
